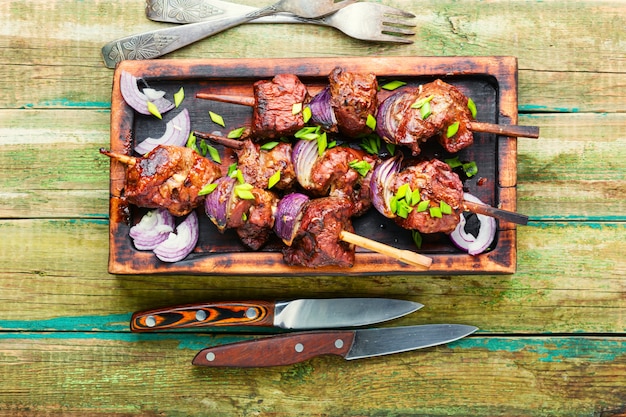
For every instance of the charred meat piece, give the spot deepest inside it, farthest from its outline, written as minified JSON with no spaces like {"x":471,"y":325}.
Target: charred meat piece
{"x":273,"y":114}
{"x":331,"y":175}
{"x":168,"y":177}
{"x":318,"y":242}
{"x":353,"y":97}
{"x":257,"y":165}
{"x":436,"y":183}
{"x":257,"y":227}
{"x":413,"y":115}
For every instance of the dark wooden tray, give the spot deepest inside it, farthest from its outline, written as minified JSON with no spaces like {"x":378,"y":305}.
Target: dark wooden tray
{"x":490,"y":81}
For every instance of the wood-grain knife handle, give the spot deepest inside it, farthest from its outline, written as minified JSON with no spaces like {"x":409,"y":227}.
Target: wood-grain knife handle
{"x":228,"y":313}
{"x":277,"y":350}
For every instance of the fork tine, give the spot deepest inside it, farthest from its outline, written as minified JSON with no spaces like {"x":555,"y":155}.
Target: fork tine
{"x":396,"y":29}
{"x":396,"y":12}
{"x":390,"y":38}
{"x":392,"y":20}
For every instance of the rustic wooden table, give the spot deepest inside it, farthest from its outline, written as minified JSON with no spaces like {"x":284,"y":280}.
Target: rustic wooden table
{"x":552,"y":336}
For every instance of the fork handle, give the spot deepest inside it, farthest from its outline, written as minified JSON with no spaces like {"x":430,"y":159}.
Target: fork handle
{"x":159,"y":42}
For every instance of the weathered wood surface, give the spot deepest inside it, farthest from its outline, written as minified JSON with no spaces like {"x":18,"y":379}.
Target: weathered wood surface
{"x":552,"y":335}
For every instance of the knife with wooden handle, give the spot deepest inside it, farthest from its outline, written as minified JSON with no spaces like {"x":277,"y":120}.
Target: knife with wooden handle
{"x":295,"y":314}
{"x":350,"y":344}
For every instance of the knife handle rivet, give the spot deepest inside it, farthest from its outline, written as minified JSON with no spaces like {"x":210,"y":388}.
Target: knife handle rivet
{"x":251,"y":313}
{"x":299,"y":347}
{"x":210,"y":356}
{"x":338,"y":343}
{"x":150,"y":321}
{"x":200,"y":315}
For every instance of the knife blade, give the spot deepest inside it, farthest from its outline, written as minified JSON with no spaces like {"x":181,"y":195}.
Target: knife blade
{"x":350,"y":344}
{"x":295,"y":314}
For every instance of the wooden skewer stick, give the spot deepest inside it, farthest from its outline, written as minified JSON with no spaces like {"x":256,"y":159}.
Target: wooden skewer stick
{"x":124,"y":159}
{"x":504,"y":130}
{"x":497,"y":213}
{"x":406,"y":256}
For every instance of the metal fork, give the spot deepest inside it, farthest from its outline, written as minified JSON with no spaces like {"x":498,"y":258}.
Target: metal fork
{"x":160,"y":42}
{"x":363,"y":20}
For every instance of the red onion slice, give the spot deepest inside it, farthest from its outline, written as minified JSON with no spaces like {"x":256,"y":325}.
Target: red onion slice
{"x":138,"y":100}
{"x":180,"y":244}
{"x":304,"y":155}
{"x":380,"y":182}
{"x":153,"y":228}
{"x":217,"y":204}
{"x":322,"y":112}
{"x":288,"y":216}
{"x":466,"y":241}
{"x":176,"y":134}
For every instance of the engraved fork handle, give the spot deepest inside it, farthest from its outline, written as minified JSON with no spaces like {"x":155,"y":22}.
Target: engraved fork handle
{"x":159,"y":42}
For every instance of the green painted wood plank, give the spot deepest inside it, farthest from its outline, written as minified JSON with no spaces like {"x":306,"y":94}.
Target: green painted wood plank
{"x":570,"y":278}
{"x":98,"y":375}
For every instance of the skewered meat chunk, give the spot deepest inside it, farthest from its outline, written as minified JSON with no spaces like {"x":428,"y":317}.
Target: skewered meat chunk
{"x":257,"y":165}
{"x":353,"y":97}
{"x":436,"y":183}
{"x":413,"y":115}
{"x":256,"y":230}
{"x":332,"y":175}
{"x":168,"y":177}
{"x":318,"y":242}
{"x":273,"y":114}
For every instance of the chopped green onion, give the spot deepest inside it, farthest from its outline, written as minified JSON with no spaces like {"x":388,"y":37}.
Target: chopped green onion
{"x":322,"y":143}
{"x":244,"y":217}
{"x":393,"y":204}
{"x":445,"y":207}
{"x":179,"y":96}
{"x":453,"y":162}
{"x":332,"y":144}
{"x":192,"y":143}
{"x":371,"y":122}
{"x":423,"y":205}
{"x":296,"y":108}
{"x":207,"y":189}
{"x":415,"y":197}
{"x":215,"y":155}
{"x":417,"y":238}
{"x":435,"y":212}
{"x":269,"y":145}
{"x":306,"y":131}
{"x":421,"y":102}
{"x":236,"y":133}
{"x":392,"y":85}
{"x":243,"y":192}
{"x":472,"y":107}
{"x":470,"y":169}
{"x":391,"y":148}
{"x":306,"y":114}
{"x":403,"y":191}
{"x":273,"y":180}
{"x":204,"y":147}
{"x":452,"y":129}
{"x":152,"y":108}
{"x":425,"y":110}
{"x":216,"y":118}
{"x":231,"y":170}
{"x":371,"y":144}
{"x":237,"y":174}
{"x":362,"y":167}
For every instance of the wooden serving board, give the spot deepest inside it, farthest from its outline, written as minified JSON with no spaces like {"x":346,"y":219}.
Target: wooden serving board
{"x":490,"y":81}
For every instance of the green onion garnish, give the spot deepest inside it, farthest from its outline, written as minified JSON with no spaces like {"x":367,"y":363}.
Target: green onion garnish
{"x":235,"y":133}
{"x":215,"y":155}
{"x":371,"y":122}
{"x":417,"y":238}
{"x":371,"y":144}
{"x":216,"y":118}
{"x":207,"y":189}
{"x":423,"y":205}
{"x":231,"y":170}
{"x":425,"y":110}
{"x":391,"y":148}
{"x":152,"y":108}
{"x":362,"y":167}
{"x":472,"y":107}
{"x":273,"y":180}
{"x":269,"y":146}
{"x":445,"y":207}
{"x":306,"y":114}
{"x":470,"y":169}
{"x":322,"y":143}
{"x":452,"y":129}
{"x":191,"y":142}
{"x":435,"y":212}
{"x":453,"y":162}
{"x":296,"y":108}
{"x":243,"y":191}
{"x":179,"y":96}
{"x":392,"y":85}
